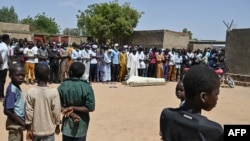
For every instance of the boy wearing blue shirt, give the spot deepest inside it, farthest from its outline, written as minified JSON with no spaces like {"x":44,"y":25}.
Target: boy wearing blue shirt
{"x":14,"y":103}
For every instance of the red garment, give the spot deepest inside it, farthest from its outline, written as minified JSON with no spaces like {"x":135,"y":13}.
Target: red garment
{"x":153,"y":57}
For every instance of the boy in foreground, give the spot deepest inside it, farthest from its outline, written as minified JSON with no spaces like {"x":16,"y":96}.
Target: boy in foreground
{"x":43,"y":109}
{"x":77,"y":100}
{"x":186,"y":123}
{"x":14,"y":103}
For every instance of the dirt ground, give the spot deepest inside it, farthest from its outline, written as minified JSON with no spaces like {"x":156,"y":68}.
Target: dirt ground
{"x":132,"y":113}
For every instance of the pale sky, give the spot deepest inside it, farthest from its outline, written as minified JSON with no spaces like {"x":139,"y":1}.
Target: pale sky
{"x":204,"y":18}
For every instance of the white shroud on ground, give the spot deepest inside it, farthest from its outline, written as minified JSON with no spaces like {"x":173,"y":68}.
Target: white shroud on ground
{"x":144,"y":81}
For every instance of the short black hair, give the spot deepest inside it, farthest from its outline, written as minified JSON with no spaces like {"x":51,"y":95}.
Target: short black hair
{"x":42,"y":71}
{"x":5,"y":37}
{"x":76,"y":69}
{"x":13,"y":67}
{"x":199,"y":78}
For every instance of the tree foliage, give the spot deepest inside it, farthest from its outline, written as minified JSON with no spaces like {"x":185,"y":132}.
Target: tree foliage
{"x":108,"y":21}
{"x":8,"y":15}
{"x":185,"y":30}
{"x":42,"y":24}
{"x":71,"y":31}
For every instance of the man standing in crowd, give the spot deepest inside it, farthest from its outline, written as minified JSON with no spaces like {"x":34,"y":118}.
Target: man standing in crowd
{"x":54,"y":56}
{"x":30,"y":55}
{"x":3,"y":63}
{"x":93,"y":64}
{"x":115,"y":63}
{"x":123,"y":58}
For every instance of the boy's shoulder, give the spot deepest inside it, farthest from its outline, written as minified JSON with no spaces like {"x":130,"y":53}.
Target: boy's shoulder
{"x":73,"y":82}
{"x":13,"y":88}
{"x":185,"y":123}
{"x":39,"y":89}
{"x":179,"y":114}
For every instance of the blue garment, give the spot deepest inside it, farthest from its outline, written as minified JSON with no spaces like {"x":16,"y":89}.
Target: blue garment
{"x":15,"y":100}
{"x":115,"y":57}
{"x":212,"y":60}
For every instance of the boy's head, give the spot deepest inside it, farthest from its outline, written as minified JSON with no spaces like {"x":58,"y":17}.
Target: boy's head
{"x":16,"y":74}
{"x":42,"y":72}
{"x":201,"y":86}
{"x":179,"y":91}
{"x":76,"y":69}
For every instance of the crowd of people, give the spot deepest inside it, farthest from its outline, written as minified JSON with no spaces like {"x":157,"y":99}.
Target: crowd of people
{"x":73,"y":67}
{"x":114,"y":63}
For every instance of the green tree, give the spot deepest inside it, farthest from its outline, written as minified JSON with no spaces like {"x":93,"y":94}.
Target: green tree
{"x":8,"y":15}
{"x":46,"y":24}
{"x":108,"y":21}
{"x":42,"y":24}
{"x":71,"y":31}
{"x":185,"y":30}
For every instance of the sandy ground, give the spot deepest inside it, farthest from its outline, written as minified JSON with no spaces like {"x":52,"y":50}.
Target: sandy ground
{"x":132,"y":113}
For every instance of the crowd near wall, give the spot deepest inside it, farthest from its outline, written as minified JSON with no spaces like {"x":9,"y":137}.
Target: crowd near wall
{"x":237,"y":43}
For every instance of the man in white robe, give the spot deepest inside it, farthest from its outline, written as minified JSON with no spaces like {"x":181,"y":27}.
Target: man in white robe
{"x":85,"y":54}
{"x":107,"y":66}
{"x":133,"y":63}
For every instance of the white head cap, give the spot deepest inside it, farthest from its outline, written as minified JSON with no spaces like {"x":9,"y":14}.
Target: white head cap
{"x":94,"y":46}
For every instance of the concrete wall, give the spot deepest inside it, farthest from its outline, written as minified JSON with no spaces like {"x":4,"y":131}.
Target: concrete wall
{"x":238,"y":51}
{"x":175,"y":39}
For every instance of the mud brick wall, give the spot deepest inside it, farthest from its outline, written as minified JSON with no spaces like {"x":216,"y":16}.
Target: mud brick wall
{"x":238,"y":51}
{"x":148,"y":39}
{"x":16,"y":30}
{"x":175,"y":39}
{"x":14,"y":27}
{"x":160,"y":39}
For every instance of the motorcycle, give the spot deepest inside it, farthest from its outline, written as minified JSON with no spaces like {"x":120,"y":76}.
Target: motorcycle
{"x":221,"y":72}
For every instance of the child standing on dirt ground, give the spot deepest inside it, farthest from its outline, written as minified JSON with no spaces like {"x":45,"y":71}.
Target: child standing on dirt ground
{"x":77,"y":100}
{"x":180,"y":92}
{"x":43,"y":108}
{"x":14,"y":103}
{"x":202,"y":87}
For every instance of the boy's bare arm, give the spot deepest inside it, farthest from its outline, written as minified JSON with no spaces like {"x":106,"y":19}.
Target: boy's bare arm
{"x":14,"y":117}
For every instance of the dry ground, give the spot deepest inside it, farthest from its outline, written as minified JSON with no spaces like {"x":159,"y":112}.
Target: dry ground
{"x":132,"y":113}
